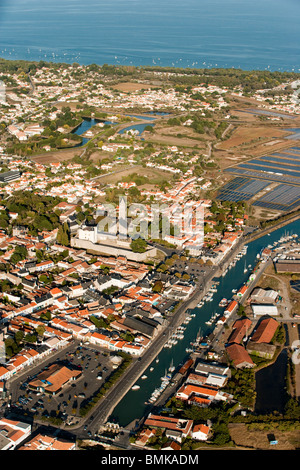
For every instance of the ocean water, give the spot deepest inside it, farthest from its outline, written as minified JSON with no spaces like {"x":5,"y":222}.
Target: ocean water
{"x":246,"y":34}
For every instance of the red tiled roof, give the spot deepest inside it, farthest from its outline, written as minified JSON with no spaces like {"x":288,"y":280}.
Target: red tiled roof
{"x":265,"y":331}
{"x":239,"y":356}
{"x":240,"y":329}
{"x":231,"y":306}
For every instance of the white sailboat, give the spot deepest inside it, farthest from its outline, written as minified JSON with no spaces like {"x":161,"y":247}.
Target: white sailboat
{"x":171,"y":368}
{"x":164,"y":377}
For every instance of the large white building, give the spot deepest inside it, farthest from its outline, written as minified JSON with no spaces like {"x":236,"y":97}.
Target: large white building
{"x":259,"y":310}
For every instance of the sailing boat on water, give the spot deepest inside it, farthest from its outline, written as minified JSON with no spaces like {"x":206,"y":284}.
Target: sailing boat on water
{"x":245,"y":268}
{"x":166,"y":377}
{"x":172,"y":367}
{"x":199,"y":336}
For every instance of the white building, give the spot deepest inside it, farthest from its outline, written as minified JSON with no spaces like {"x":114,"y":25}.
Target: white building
{"x":88,"y":233}
{"x":259,"y":310}
{"x":13,"y":433}
{"x":200,"y":432}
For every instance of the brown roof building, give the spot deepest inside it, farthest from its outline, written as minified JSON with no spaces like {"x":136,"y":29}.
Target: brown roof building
{"x":287,"y":266}
{"x":240,"y":329}
{"x":239,"y":356}
{"x":53,"y":379}
{"x":171,"y":445}
{"x":265,"y":331}
{"x":261,"y":349}
{"x":182,"y":426}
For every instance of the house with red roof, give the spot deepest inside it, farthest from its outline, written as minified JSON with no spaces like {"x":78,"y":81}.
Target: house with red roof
{"x":242,"y":291}
{"x":44,"y":442}
{"x":188,"y":390}
{"x":171,"y":445}
{"x":231,"y":307}
{"x":4,"y":373}
{"x":178,"y":427}
{"x":44,"y":265}
{"x":144,"y":436}
{"x":239,"y":357}
{"x":99,"y":339}
{"x":240,"y":329}
{"x":200,"y":432}
{"x":265,"y":330}
{"x":56,"y":292}
{"x":133,"y":349}
{"x":13,"y":432}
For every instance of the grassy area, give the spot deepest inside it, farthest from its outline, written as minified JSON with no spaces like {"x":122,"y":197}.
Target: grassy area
{"x":149,"y":176}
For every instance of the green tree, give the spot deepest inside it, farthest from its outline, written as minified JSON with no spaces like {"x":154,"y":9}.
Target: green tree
{"x":292,"y":409}
{"x":139,"y":245}
{"x":63,"y":235}
{"x":157,"y":286}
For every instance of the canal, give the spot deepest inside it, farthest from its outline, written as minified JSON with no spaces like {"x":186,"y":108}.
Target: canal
{"x":87,"y":123}
{"x":271,"y":392}
{"x":133,"y":405}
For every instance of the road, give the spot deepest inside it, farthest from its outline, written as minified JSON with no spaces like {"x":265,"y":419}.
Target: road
{"x":100,"y":413}
{"x":107,"y":404}
{"x":32,"y":370}
{"x":114,"y":396}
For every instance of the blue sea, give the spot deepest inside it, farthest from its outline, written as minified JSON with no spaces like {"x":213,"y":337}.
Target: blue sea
{"x":246,"y":34}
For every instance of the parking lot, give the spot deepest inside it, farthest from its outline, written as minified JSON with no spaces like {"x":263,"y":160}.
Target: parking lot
{"x":96,"y":366}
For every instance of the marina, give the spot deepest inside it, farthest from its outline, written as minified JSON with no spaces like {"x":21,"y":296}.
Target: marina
{"x":195,"y":329}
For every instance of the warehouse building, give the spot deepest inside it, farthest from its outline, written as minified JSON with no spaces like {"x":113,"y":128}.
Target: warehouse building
{"x":264,"y":296}
{"x":287,"y":266}
{"x":262,"y":309}
{"x":9,"y":176}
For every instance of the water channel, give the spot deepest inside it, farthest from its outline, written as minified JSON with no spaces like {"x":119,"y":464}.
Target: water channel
{"x":270,"y":380}
{"x":133,"y":405}
{"x":87,"y":123}
{"x":270,"y":386}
